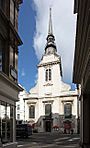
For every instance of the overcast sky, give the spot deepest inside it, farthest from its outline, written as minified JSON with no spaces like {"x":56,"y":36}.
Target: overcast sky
{"x":64,"y":23}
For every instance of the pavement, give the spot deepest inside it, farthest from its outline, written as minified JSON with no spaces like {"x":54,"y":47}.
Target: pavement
{"x":49,"y":140}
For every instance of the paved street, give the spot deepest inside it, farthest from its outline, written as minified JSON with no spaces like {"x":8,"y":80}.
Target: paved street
{"x":49,"y":140}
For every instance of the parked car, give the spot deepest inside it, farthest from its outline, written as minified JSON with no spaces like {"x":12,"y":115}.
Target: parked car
{"x":23,"y":130}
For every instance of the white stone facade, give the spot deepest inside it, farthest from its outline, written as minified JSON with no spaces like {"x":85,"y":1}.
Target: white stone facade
{"x":50,"y":94}
{"x":54,"y":92}
{"x":57,"y":103}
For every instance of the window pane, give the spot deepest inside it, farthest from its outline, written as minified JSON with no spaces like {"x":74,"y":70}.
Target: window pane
{"x":0,"y":60}
{"x":18,"y":116}
{"x":67,"y":110}
{"x":2,"y":4}
{"x":12,"y":11}
{"x":5,"y":123}
{"x":32,"y":111}
{"x":46,"y":77}
{"x":18,"y":107}
{"x":16,"y":61}
{"x":16,"y":19}
{"x":47,"y":109}
{"x":1,"y":53}
{"x":11,"y":56}
{"x":49,"y":74}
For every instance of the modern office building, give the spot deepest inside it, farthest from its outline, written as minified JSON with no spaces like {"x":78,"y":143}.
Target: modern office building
{"x":51,"y":105}
{"x":9,"y":88}
{"x":81,"y":71}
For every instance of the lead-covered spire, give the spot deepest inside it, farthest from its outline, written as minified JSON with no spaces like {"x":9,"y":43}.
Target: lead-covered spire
{"x":50,"y":45}
{"x":50,"y":29}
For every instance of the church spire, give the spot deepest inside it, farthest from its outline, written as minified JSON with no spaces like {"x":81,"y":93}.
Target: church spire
{"x":50,"y":29}
{"x":50,"y":45}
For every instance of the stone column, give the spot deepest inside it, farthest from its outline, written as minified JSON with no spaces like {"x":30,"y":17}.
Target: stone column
{"x":13,"y":123}
{"x":6,"y":122}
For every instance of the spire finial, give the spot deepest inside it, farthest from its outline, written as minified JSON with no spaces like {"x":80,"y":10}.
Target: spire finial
{"x":50,"y":30}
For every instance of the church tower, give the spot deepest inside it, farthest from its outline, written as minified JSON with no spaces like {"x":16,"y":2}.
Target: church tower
{"x":49,"y":68}
{"x":51,"y":103}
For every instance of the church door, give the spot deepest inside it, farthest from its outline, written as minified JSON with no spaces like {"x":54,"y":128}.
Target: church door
{"x":48,"y":126}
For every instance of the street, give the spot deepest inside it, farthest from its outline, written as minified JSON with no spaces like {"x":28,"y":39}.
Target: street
{"x":49,"y":140}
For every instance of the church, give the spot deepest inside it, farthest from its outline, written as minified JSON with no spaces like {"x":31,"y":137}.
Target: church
{"x":51,"y":105}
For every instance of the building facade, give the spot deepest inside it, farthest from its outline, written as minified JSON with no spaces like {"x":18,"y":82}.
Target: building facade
{"x":9,"y":88}
{"x":81,"y":71}
{"x":50,"y":105}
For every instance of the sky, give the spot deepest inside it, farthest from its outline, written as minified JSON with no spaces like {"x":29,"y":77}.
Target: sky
{"x":33,"y":30}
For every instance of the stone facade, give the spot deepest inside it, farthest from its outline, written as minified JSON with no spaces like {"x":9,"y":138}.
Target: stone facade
{"x":51,"y":105}
{"x":9,"y":88}
{"x":56,"y":118}
{"x":81,"y":70}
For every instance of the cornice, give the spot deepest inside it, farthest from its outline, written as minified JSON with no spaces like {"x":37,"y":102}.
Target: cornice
{"x":48,"y":101}
{"x":49,"y":63}
{"x":69,"y":101}
{"x":7,"y":80}
{"x":31,"y":102}
{"x":60,"y":96}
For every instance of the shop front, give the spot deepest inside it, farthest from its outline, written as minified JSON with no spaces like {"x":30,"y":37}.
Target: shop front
{"x":8,"y":97}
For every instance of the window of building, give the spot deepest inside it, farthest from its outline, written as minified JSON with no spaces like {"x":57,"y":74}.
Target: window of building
{"x":46,"y":78}
{"x":11,"y":56}
{"x":18,"y":107}
{"x":0,"y":60}
{"x":47,"y":109}
{"x":18,"y":116}
{"x":12,"y":11}
{"x":48,"y":75}
{"x":68,"y":110}
{"x":2,"y":55}
{"x":32,"y":111}
{"x":2,"y":4}
{"x":16,"y":60}
{"x":16,"y":18}
{"x":6,"y":121}
{"x":13,"y":63}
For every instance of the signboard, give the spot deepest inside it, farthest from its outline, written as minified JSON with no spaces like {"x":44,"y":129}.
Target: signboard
{"x":13,"y":72}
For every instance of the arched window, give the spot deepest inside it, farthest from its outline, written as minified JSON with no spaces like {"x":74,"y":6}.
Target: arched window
{"x":68,"y":110}
{"x":47,"y":109}
{"x":18,"y":107}
{"x":48,"y":75}
{"x":32,"y":111}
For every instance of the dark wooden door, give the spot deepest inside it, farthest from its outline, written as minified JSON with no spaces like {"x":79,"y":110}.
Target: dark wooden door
{"x":48,"y":126}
